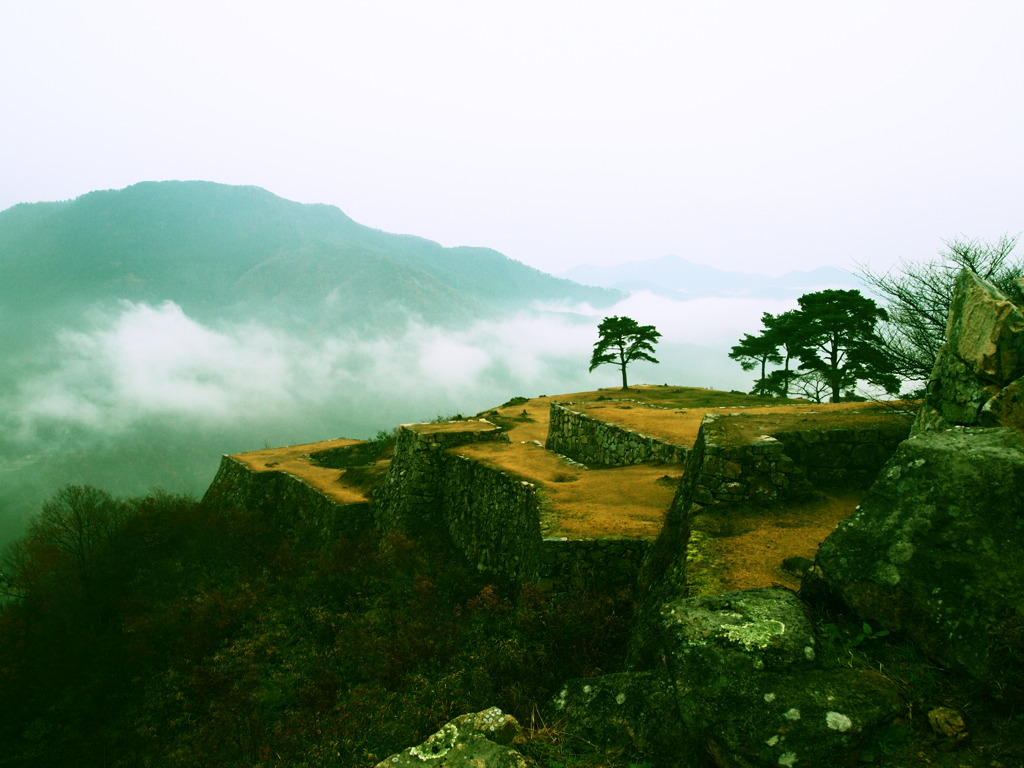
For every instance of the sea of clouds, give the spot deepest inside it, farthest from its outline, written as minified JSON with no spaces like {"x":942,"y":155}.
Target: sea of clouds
{"x":139,"y":361}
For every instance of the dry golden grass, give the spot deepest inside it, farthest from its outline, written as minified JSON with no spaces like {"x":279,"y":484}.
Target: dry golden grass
{"x":627,"y":502}
{"x":622,"y":502}
{"x":743,"y":548}
{"x":294,"y":460}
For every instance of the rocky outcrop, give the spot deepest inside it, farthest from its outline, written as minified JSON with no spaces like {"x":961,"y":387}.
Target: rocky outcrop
{"x":978,"y":378}
{"x":635,"y":711}
{"x":750,"y":692}
{"x":936,"y":548}
{"x":739,"y":683}
{"x":469,"y":741}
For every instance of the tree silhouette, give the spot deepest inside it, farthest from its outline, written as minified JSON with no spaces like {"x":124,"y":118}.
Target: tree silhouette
{"x":622,"y":340}
{"x":833,"y":335}
{"x":837,"y":338}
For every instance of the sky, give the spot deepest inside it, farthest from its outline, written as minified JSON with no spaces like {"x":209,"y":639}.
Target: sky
{"x":752,"y":136}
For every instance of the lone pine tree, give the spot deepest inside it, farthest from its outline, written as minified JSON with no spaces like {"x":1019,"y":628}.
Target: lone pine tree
{"x":621,"y":341}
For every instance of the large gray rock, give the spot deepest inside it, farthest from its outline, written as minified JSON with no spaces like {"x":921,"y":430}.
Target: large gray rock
{"x":936,"y":548}
{"x":636,"y":711}
{"x":749,"y":691}
{"x":476,"y":740}
{"x":977,"y":378}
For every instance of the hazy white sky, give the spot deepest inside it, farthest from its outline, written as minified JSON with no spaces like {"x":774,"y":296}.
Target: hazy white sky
{"x":763,"y":136}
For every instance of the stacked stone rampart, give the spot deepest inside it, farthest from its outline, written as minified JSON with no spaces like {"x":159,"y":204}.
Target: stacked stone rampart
{"x":843,"y":458}
{"x":788,"y":464}
{"x":597,"y":443}
{"x":295,"y":506}
{"x":490,"y":517}
{"x":411,"y":492}
{"x":757,"y":472}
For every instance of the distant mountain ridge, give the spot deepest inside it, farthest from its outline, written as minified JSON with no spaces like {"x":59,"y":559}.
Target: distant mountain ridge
{"x":220,"y":250}
{"x":677,"y":278}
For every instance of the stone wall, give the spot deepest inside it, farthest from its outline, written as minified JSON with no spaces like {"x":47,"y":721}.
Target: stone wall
{"x":791,"y":463}
{"x":842,"y":458}
{"x":292,"y":504}
{"x":491,"y":517}
{"x":411,"y":491}
{"x":759,"y":472}
{"x":597,"y":443}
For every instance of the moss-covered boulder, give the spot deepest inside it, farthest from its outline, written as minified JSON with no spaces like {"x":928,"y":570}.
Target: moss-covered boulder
{"x":750,"y":692}
{"x":469,"y":741}
{"x":936,"y":549}
{"x":633,"y":711}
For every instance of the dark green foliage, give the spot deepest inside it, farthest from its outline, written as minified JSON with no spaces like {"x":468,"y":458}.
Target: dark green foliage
{"x":189,"y":634}
{"x":833,"y":336}
{"x":622,"y":341}
{"x":757,"y":351}
{"x":836,"y":337}
{"x":994,"y":717}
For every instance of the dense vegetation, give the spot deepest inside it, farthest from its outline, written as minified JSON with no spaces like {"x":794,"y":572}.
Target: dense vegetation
{"x":162,"y":631}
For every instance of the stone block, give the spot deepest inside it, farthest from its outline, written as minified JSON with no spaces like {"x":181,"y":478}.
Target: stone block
{"x":937,"y":545}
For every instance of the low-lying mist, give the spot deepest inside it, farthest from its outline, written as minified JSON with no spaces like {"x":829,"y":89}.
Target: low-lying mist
{"x":141,"y":396}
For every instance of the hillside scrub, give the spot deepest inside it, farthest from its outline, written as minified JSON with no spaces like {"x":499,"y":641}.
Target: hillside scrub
{"x":190,"y":634}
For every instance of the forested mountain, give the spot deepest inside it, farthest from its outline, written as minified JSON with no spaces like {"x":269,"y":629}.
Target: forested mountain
{"x":226,"y":251}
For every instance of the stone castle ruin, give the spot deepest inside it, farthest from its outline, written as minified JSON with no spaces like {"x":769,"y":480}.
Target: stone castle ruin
{"x":932,"y":552}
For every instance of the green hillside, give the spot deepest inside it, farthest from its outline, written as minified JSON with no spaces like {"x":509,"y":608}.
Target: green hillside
{"x":228,"y":251}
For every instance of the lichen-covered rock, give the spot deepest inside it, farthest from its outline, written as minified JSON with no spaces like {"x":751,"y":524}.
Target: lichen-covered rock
{"x":983,"y":356}
{"x":805,"y":717}
{"x":476,"y":740}
{"x":741,"y":632}
{"x":936,"y":548}
{"x":749,"y":692}
{"x":636,"y":711}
